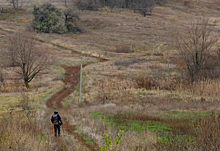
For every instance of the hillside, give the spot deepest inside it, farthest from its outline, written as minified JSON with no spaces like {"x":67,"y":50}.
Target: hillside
{"x":134,"y":79}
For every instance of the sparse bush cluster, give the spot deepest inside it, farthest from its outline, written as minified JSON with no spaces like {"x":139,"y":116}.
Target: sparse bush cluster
{"x":126,"y":62}
{"x":149,"y":82}
{"x":49,"y":19}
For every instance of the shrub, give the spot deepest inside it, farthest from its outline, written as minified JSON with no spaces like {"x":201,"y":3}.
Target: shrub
{"x":48,"y":19}
{"x":71,"y":18}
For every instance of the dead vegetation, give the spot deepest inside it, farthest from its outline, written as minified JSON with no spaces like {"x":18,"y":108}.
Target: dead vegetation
{"x":135,"y":85}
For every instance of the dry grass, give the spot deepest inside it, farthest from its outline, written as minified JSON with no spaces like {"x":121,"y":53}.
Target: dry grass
{"x":197,"y":131}
{"x":206,"y":87}
{"x":132,"y":87}
{"x":95,"y":128}
{"x":21,"y":132}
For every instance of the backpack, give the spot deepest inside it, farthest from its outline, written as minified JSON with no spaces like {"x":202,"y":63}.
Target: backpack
{"x":55,"y":119}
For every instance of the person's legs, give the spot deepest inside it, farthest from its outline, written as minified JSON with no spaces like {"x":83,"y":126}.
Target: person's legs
{"x":55,"y":130}
{"x":58,"y":127}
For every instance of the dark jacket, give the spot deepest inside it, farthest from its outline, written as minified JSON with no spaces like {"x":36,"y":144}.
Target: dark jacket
{"x":56,"y":119}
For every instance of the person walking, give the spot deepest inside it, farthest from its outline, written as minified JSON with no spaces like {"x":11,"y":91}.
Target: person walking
{"x":56,"y":121}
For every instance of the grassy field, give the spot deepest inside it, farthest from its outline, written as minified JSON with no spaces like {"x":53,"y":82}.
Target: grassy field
{"x":131,"y":91}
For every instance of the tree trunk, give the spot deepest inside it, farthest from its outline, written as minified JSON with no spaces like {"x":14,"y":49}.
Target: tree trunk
{"x":27,"y":84}
{"x":192,"y":78}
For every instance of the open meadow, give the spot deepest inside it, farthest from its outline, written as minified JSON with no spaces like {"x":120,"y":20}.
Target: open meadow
{"x":140,"y":82}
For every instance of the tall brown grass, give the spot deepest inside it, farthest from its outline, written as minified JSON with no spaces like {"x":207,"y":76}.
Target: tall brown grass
{"x":117,"y":90}
{"x":20,"y":131}
{"x":154,"y":83}
{"x":205,"y":87}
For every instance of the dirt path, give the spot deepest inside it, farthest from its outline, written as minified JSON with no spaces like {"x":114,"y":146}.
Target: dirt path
{"x":71,"y":81}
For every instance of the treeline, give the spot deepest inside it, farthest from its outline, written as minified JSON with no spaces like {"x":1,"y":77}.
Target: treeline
{"x":145,"y":7}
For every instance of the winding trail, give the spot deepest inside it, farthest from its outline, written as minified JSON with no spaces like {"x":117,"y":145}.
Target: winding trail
{"x":71,"y":81}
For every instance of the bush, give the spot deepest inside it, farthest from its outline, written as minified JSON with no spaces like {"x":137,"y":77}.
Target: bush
{"x":70,"y":21}
{"x":48,"y":19}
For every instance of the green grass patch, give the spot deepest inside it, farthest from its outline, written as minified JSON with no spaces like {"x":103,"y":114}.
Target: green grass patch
{"x":182,"y":115}
{"x":189,"y":115}
{"x":171,"y":128}
{"x":175,"y":139}
{"x":130,"y":124}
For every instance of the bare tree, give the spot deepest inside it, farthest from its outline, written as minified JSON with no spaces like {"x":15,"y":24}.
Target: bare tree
{"x":195,"y":44}
{"x":29,"y":59}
